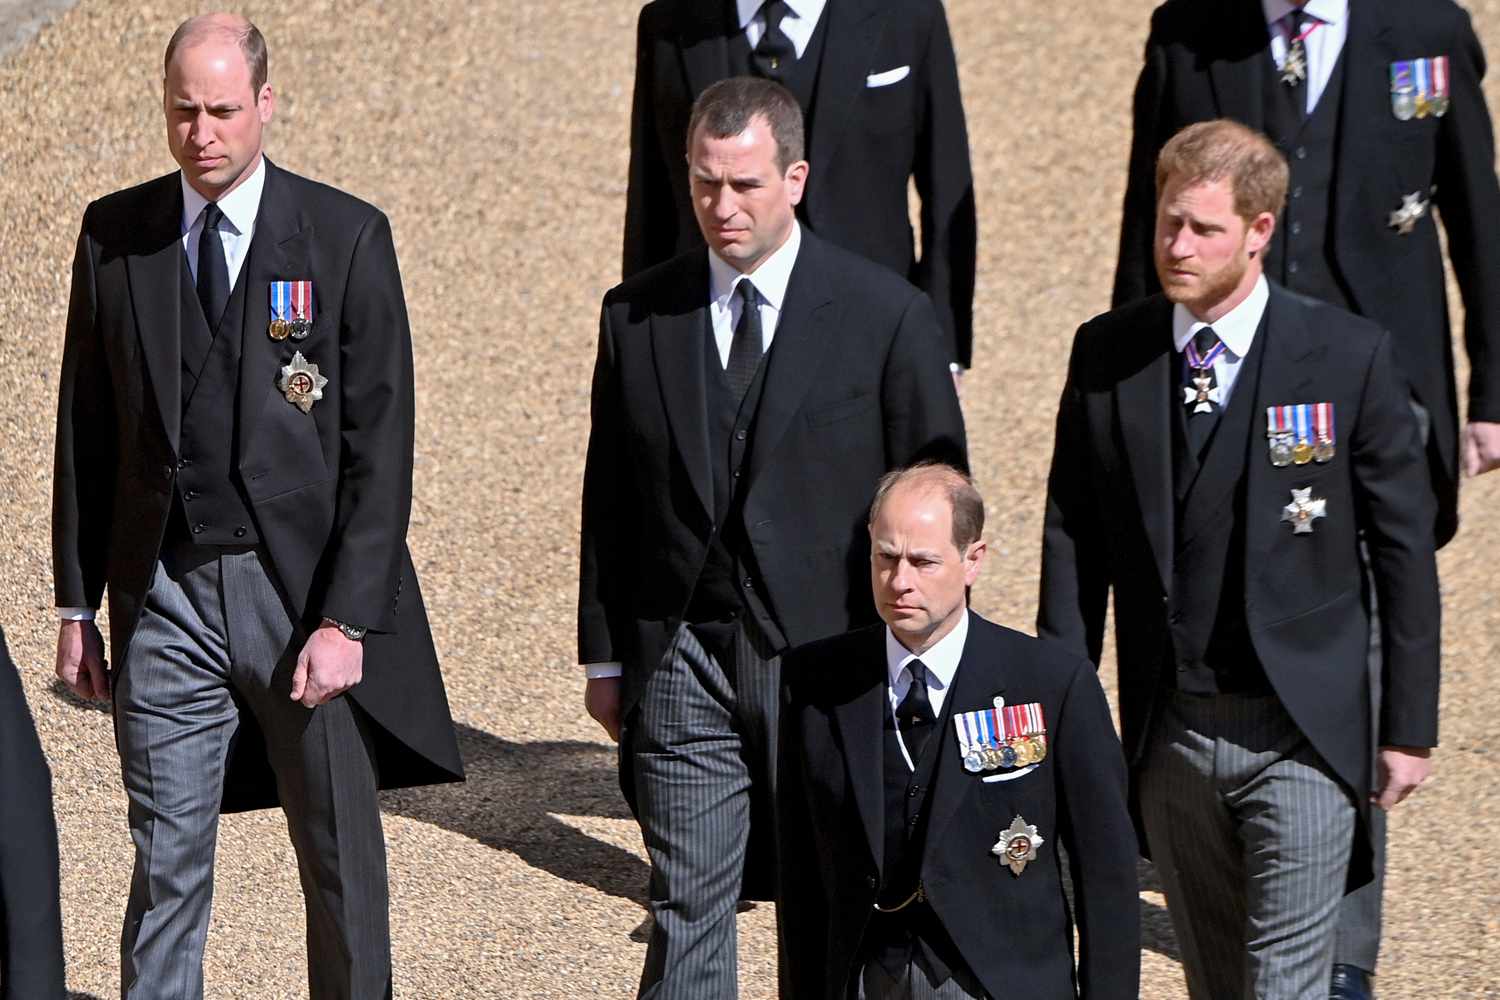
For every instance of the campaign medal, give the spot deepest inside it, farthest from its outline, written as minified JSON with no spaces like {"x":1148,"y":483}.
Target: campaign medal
{"x":301,"y":309}
{"x":1002,"y":737}
{"x":281,"y":305}
{"x":301,"y":383}
{"x":1323,"y":423}
{"x":1439,"y":102}
{"x":1302,"y":451}
{"x":1421,"y":69}
{"x":1017,"y":845}
{"x":1279,"y":435}
{"x":1404,"y":219}
{"x":1403,"y":91}
{"x":1304,"y":510}
{"x":1203,"y":395}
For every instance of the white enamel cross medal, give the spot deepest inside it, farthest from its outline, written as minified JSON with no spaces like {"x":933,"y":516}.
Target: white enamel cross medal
{"x":1202,"y":395}
{"x":1304,"y":510}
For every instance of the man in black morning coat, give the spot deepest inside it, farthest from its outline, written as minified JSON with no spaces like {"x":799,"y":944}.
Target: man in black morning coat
{"x":744,"y":398}
{"x":234,"y":453}
{"x":909,"y":871}
{"x":877,"y":82}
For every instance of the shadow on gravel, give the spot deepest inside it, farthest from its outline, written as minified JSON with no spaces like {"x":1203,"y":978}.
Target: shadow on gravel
{"x":508,"y":802}
{"x":82,"y":996}
{"x":1156,"y":925}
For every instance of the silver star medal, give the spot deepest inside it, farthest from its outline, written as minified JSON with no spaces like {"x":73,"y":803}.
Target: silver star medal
{"x":1404,"y":219}
{"x":1017,"y":845}
{"x":1303,"y":511}
{"x":1201,"y":393}
{"x":301,"y":383}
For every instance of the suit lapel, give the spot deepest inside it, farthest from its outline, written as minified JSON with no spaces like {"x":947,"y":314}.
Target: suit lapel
{"x":155,"y":276}
{"x":1142,"y":402}
{"x":1366,"y":58}
{"x":679,"y":332}
{"x":851,"y":34}
{"x":704,"y":42}
{"x":860,"y":722}
{"x":975,"y":686}
{"x":1291,"y":353}
{"x":278,"y":252}
{"x":802,"y":336}
{"x":1239,"y":69}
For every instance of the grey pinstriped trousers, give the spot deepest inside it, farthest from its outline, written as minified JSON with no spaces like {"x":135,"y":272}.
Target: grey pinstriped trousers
{"x":703,"y":743}
{"x":215,"y":639}
{"x":1251,"y":836}
{"x":874,"y":983}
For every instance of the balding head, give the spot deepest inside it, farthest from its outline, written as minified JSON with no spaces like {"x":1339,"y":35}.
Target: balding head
{"x":938,"y":479}
{"x":231,"y":28}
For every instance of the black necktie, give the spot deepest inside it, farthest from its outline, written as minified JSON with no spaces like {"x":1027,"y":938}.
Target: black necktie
{"x":914,"y":714}
{"x":1296,"y":58}
{"x":213,"y":270}
{"x":748,"y":343}
{"x":1200,"y":389}
{"x":775,"y":51}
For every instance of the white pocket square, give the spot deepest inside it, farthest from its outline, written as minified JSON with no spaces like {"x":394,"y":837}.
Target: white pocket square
{"x":888,"y":77}
{"x":1010,"y":775}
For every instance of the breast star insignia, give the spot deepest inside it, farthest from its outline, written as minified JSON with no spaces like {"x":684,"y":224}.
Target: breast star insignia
{"x":1303,"y":511}
{"x":1404,"y":219}
{"x":301,"y":383}
{"x":1017,"y":845}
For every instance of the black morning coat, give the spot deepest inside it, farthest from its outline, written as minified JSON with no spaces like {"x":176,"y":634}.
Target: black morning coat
{"x":330,"y":490}
{"x":1013,"y":931}
{"x":865,"y":144}
{"x":1210,"y":60}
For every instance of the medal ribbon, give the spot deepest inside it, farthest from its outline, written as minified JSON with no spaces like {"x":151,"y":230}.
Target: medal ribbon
{"x":300,"y":296}
{"x":1323,"y":421}
{"x":1423,"y":88}
{"x":278,"y":300}
{"x":1278,"y":421}
{"x":1194,"y":360}
{"x":1440,"y":76}
{"x":1303,"y":418}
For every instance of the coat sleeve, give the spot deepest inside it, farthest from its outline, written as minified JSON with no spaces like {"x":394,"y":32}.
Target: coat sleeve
{"x":945,"y":186}
{"x":85,"y":458}
{"x":1095,"y":827}
{"x":376,"y":438}
{"x":650,"y":215}
{"x":1397,"y":510}
{"x":802,"y":899}
{"x":1468,"y":199}
{"x":1075,"y":578}
{"x":1135,"y":269}
{"x":922,"y":417}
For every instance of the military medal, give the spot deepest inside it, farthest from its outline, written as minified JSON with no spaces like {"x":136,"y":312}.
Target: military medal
{"x":281,"y":303}
{"x":1439,"y":101}
{"x":1017,"y":845}
{"x":1323,"y":422}
{"x":1002,"y":737}
{"x":1404,"y":219}
{"x":1304,"y":510}
{"x":1202,"y":395}
{"x":301,"y":383}
{"x":301,"y":324}
{"x":1279,"y":435}
{"x":1302,"y":451}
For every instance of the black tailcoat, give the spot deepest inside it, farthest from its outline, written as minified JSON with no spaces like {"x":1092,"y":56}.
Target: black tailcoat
{"x":330,"y":490}
{"x":1014,"y":932}
{"x":866,"y":142}
{"x":1211,"y":60}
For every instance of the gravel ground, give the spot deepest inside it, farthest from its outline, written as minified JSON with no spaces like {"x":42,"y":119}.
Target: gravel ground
{"x":500,"y":156}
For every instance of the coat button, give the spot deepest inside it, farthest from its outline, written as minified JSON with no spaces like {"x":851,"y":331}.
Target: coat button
{"x":1301,"y":152}
{"x":1297,"y":191}
{"x":183,"y":463}
{"x":749,"y":583}
{"x":1292,"y":268}
{"x":871,"y":881}
{"x":199,"y":528}
{"x":166,"y":472}
{"x":239,"y":532}
{"x":736,"y":473}
{"x":739,"y":435}
{"x":191,"y":495}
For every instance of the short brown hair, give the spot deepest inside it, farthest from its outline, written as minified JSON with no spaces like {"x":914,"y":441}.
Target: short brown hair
{"x":1224,"y":150}
{"x":246,"y":35}
{"x":728,"y":107}
{"x":939,"y":477}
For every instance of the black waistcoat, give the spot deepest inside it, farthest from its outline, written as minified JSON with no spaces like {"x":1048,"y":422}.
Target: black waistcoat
{"x":1301,"y":253}
{"x":799,"y":76}
{"x":1210,"y":636}
{"x":210,"y":497}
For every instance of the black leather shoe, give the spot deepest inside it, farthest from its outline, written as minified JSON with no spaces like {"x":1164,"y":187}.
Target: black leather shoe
{"x":1350,"y":982}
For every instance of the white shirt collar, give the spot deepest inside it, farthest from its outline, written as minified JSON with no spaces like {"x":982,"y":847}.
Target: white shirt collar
{"x":240,"y":206}
{"x":1235,"y":328}
{"x":747,"y":9}
{"x":770,"y":278}
{"x":941,"y":660}
{"x":1327,"y":11}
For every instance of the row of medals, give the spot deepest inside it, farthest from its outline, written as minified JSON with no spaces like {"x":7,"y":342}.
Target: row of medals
{"x":297,"y":329}
{"x":1408,"y":104}
{"x":1017,"y":752}
{"x":1287,"y":451}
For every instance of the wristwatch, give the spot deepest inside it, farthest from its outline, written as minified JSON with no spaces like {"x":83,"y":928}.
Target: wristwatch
{"x":350,"y":631}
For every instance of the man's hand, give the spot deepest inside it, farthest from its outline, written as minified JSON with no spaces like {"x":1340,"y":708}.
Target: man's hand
{"x":329,"y":664}
{"x":80,"y":660}
{"x":601,"y":696}
{"x":1399,"y":770}
{"x":1480,"y":447}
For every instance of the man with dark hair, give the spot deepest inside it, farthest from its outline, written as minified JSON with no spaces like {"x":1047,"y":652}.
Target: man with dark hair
{"x":740,"y":396}
{"x":877,"y":82}
{"x":1221,"y":450}
{"x":234,"y":450}
{"x":931,"y":768}
{"x":1379,"y":109}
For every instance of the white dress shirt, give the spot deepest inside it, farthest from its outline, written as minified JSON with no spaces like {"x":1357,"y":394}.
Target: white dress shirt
{"x":1323,"y":45}
{"x":770,"y":280}
{"x":240,"y":207}
{"x":941,"y":661}
{"x":1235,"y":328}
{"x":798,"y":25}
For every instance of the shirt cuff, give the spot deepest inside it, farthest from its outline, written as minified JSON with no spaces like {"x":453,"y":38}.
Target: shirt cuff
{"x":598,"y":671}
{"x":76,"y":614}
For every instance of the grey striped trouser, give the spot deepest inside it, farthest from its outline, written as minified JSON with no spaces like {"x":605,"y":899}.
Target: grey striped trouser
{"x":216,"y":638}
{"x":1251,"y":836}
{"x":703,"y":744}
{"x":875,"y":983}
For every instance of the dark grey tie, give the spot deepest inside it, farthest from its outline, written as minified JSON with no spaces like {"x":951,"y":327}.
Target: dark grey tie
{"x":914,"y":714}
{"x":213,"y":269}
{"x":748,"y":344}
{"x":775,"y":52}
